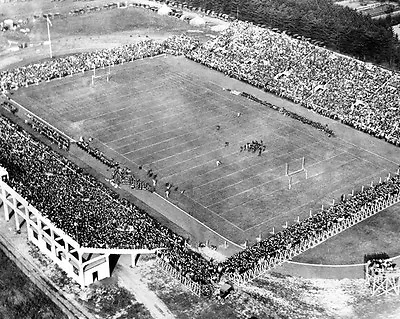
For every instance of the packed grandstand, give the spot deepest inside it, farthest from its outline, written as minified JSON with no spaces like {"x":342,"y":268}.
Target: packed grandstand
{"x":361,"y":95}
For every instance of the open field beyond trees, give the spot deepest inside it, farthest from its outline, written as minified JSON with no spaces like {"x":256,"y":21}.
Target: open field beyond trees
{"x":86,"y":32}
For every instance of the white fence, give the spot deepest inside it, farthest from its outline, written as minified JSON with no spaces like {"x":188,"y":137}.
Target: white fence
{"x":280,"y":256}
{"x":188,"y":283}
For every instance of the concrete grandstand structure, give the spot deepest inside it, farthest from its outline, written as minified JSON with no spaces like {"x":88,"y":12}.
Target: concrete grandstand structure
{"x":84,"y":265}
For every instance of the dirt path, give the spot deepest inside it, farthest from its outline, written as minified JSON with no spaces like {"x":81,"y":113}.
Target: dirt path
{"x":131,"y":279}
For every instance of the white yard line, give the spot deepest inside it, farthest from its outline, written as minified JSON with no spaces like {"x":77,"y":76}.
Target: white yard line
{"x":210,"y":161}
{"x":275,"y":179}
{"x":201,"y":223}
{"x":214,"y":213}
{"x":54,"y":128}
{"x":203,"y":154}
{"x":368,"y":151}
{"x":163,"y":133}
{"x":258,"y":174}
{"x":338,"y":190}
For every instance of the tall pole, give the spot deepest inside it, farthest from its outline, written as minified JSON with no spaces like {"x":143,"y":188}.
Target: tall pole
{"x":48,"y":33}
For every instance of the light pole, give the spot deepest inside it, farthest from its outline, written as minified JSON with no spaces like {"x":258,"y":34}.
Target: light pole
{"x":48,"y":33}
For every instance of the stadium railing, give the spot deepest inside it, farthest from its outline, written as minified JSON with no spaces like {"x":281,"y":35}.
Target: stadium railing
{"x":314,"y":240}
{"x":194,"y":287}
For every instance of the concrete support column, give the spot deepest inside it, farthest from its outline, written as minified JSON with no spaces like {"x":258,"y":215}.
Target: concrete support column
{"x":81,"y":273}
{"x":53,"y":245}
{"x":2,"y":195}
{"x":17,"y":222}
{"x":29,"y":229}
{"x":68,"y":268}
{"x":134,"y":259}
{"x":6,"y":210}
{"x":41,"y":242}
{"x":108,"y":263}
{"x":14,"y":201}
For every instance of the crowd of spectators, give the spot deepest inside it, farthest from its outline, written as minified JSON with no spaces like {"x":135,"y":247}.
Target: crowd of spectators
{"x":312,"y":226}
{"x":291,"y":114}
{"x":93,"y":215}
{"x":124,"y":176}
{"x":9,"y":107}
{"x":359,"y":94}
{"x":180,"y":44}
{"x":87,"y":210}
{"x":52,"y":134}
{"x":96,"y":153}
{"x":380,"y":266}
{"x":68,"y":65}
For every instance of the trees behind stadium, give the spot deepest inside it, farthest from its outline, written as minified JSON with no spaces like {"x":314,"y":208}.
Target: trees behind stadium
{"x":338,"y":28}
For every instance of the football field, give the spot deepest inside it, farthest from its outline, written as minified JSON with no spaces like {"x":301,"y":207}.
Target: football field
{"x":173,"y":116}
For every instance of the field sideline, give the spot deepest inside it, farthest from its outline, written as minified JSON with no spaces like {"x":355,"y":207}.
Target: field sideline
{"x":162,"y":114}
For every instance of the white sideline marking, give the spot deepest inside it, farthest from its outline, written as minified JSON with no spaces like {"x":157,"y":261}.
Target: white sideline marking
{"x":201,"y":223}
{"x":54,"y":128}
{"x":190,"y":199}
{"x":115,"y":151}
{"x":277,"y":190}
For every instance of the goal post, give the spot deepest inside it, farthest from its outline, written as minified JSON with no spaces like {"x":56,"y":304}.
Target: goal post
{"x":102,"y":73}
{"x":290,"y":175}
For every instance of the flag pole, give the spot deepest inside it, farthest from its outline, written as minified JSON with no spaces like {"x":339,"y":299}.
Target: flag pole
{"x":48,"y":33}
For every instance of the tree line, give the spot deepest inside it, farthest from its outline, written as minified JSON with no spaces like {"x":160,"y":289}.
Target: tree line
{"x":339,"y":28}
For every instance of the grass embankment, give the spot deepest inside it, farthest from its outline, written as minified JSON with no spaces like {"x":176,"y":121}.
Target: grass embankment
{"x":20,"y":298}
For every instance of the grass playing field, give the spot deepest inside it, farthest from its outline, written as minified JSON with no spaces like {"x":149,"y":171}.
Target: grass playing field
{"x":162,"y":114}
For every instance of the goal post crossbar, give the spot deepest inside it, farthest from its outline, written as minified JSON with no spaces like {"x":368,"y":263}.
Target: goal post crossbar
{"x":290,"y":174}
{"x":99,"y":76}
{"x":302,"y":169}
